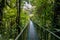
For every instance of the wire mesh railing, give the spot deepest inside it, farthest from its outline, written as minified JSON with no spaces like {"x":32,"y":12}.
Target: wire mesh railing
{"x":45,"y":34}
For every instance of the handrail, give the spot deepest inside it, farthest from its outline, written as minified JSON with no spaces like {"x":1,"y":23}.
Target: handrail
{"x":42,"y":28}
{"x":21,"y":32}
{"x":51,"y":33}
{"x":48,"y":31}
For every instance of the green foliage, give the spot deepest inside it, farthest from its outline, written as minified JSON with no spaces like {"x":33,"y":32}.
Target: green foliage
{"x":24,"y":18}
{"x":44,"y":13}
{"x":9,"y":28}
{"x":9,"y":23}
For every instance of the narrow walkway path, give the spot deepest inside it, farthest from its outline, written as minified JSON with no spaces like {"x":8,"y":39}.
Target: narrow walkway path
{"x":32,"y":34}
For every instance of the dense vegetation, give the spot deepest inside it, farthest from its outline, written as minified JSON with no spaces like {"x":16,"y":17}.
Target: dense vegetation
{"x":44,"y":13}
{"x":13,"y":18}
{"x":12,"y":21}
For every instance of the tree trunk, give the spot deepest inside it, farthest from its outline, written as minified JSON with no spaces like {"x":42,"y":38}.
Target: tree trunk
{"x":18,"y":15}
